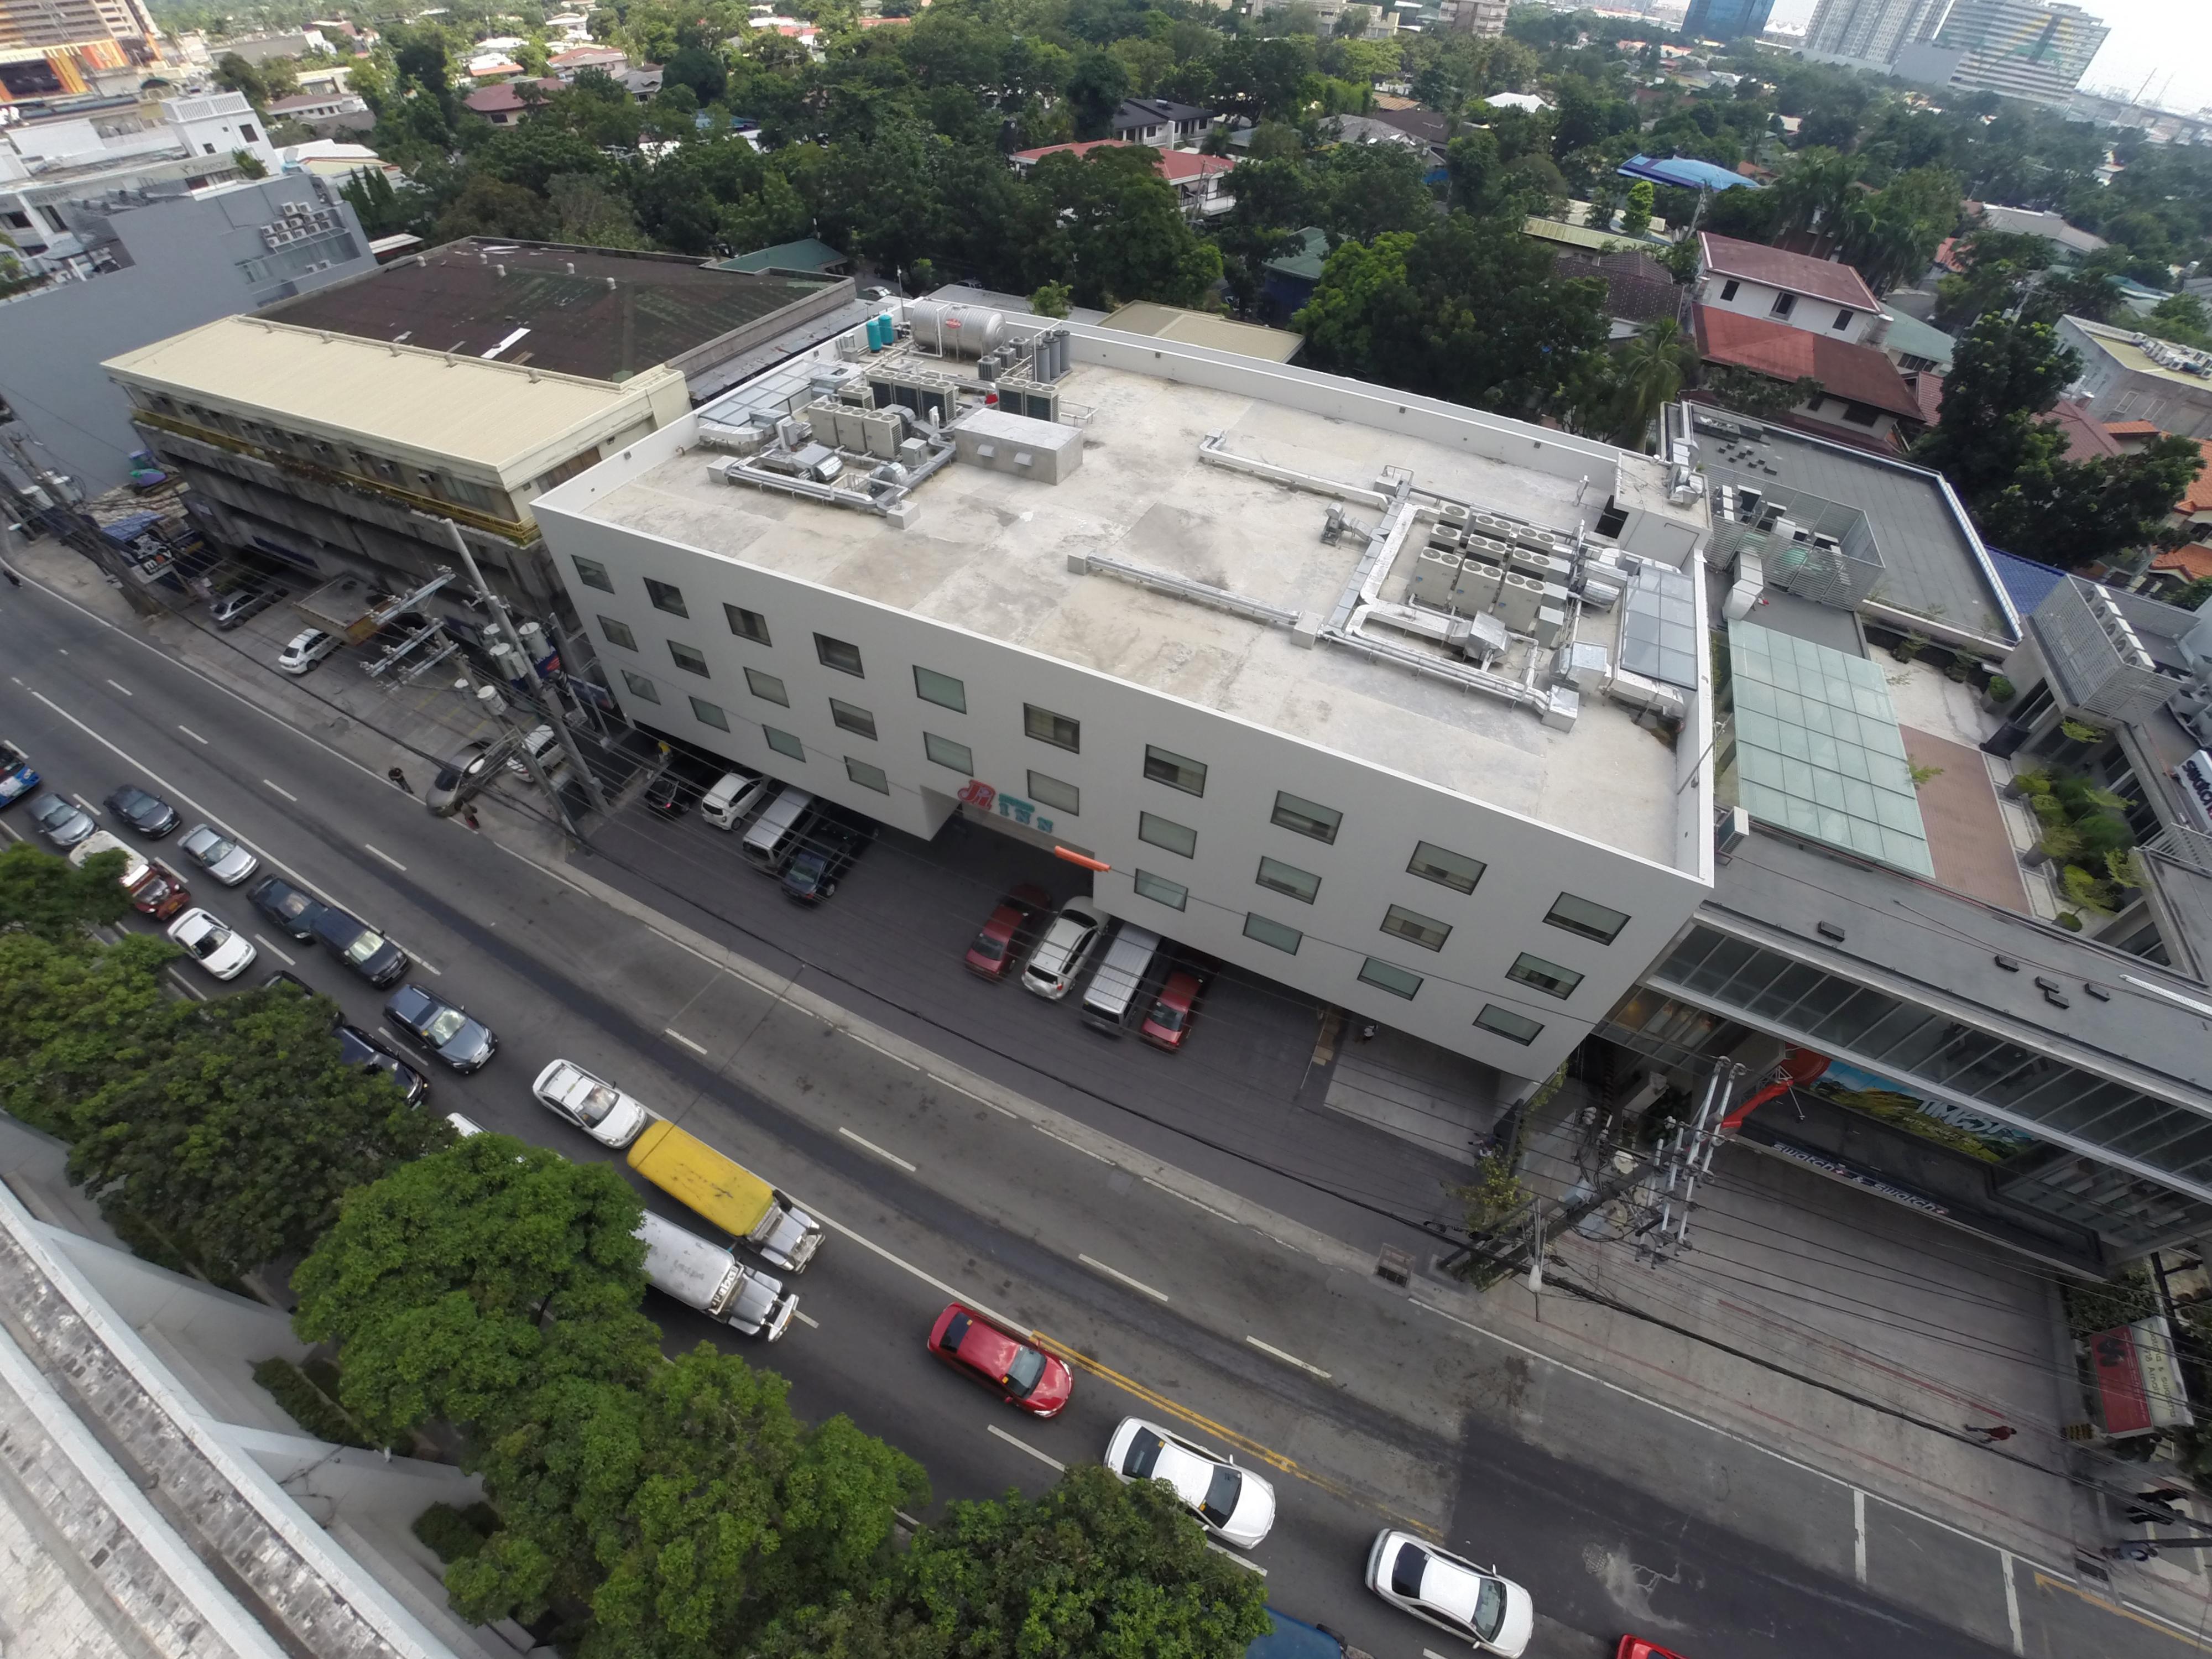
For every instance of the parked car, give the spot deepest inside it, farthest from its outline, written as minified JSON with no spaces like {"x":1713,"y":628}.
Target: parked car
{"x":280,"y":977}
{"x":358,"y":1047}
{"x":816,"y":867}
{"x":444,"y":1030}
{"x":598,"y":1107}
{"x":61,"y":820}
{"x":1067,"y":945}
{"x":1025,"y":1375}
{"x":1294,"y":1638}
{"x":1450,"y":1592}
{"x":211,"y":944}
{"x":160,"y":892}
{"x":228,"y":609}
{"x":362,"y":949}
{"x":287,"y":907}
{"x":1235,"y":1505}
{"x":1173,"y":1010}
{"x":1008,"y":932}
{"x":218,"y":854}
{"x":462,"y":775}
{"x":672,"y":794}
{"x":304,"y":649}
{"x":1637,"y":1647}
{"x":18,"y":777}
{"x":149,"y":815}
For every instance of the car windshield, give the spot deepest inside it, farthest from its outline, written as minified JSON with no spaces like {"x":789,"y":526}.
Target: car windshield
{"x":207,"y":944}
{"x":444,"y":1025}
{"x":1167,"y":1017}
{"x":987,"y":946}
{"x":290,"y":902}
{"x":597,"y":1104}
{"x":1405,"y":1571}
{"x":1221,"y":1494}
{"x":216,"y":848}
{"x":365,"y":946}
{"x":1143,"y":1454}
{"x":446,"y":778}
{"x":52,"y":809}
{"x":1023,"y":1372}
{"x":1488,"y":1608}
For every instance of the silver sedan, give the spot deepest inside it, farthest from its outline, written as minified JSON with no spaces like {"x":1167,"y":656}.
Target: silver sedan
{"x":218,"y":854}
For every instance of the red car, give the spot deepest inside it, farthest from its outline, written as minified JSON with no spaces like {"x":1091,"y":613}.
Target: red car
{"x":1025,"y":1375}
{"x":1007,"y":932}
{"x":1635,"y":1647}
{"x":160,"y":893}
{"x":1169,"y":1023}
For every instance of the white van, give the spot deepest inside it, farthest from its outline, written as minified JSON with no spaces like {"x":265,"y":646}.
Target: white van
{"x":552,"y":759}
{"x":777,"y":832}
{"x":1121,"y":971}
{"x":733,"y":795}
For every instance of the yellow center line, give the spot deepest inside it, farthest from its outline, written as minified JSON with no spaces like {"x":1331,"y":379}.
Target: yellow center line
{"x":2044,"y":1580}
{"x":1221,"y":1431}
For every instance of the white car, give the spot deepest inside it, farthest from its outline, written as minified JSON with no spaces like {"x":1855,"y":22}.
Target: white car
{"x":306,"y":648}
{"x":1470,"y":1603}
{"x":1235,"y":1505}
{"x":1060,"y":954}
{"x":218,"y":854}
{"x":599,"y":1109}
{"x":211,"y":944}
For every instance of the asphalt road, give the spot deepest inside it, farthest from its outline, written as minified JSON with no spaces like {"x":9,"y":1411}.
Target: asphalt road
{"x":1360,"y":1410}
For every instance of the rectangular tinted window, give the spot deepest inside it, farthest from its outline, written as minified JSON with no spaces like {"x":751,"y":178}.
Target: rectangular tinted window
{"x":688,"y":657}
{"x":1177,"y":771}
{"x":767,"y":687}
{"x":747,"y":624}
{"x":1055,"y":729}
{"x":1300,"y":885}
{"x":1411,"y":924}
{"x":1546,"y":977}
{"x":837,"y":654}
{"x":640,"y":686}
{"x":784,"y":744}
{"x":1389,"y":976}
{"x":1307,"y":817}
{"x":1454,"y":869}
{"x":592,"y":574}
{"x":867,"y":776}
{"x":1273,"y":933}
{"x":618,"y":633}
{"x":940,"y":688}
{"x":1579,"y":916}
{"x":1173,"y":894}
{"x":945,"y":752}
{"x":665,"y":596}
{"x":850,"y":718}
{"x":709,"y":713}
{"x":1515,"y":1027}
{"x":1166,"y":832}
{"x":1051,"y":791}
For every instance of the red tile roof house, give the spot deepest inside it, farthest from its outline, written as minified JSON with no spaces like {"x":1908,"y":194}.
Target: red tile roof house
{"x":1816,"y":295}
{"x":502,"y":104}
{"x":2194,"y":509}
{"x":1864,"y":401}
{"x":566,"y":63}
{"x":1201,"y":180}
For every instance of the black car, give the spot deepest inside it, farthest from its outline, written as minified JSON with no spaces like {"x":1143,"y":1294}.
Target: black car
{"x":357,"y":1048}
{"x":280,"y":977}
{"x":463,"y":1043}
{"x":671,"y":796}
{"x":364,"y":950}
{"x":829,"y":849}
{"x":149,"y":815}
{"x":292,"y":910}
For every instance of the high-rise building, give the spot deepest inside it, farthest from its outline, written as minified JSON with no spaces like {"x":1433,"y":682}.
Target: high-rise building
{"x":2030,"y":49}
{"x":72,"y":23}
{"x":1869,"y":33}
{"x":1726,"y":20}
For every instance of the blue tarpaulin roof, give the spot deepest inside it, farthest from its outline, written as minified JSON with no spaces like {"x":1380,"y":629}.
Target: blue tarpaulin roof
{"x":1683,"y":172}
{"x":2026,"y":582}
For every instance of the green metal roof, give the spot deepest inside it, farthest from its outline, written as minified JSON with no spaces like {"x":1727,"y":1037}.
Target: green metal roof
{"x":1559,"y":230}
{"x":1305,"y":265}
{"x":808,"y":253}
{"x":1917,"y":339}
{"x":1818,"y":751}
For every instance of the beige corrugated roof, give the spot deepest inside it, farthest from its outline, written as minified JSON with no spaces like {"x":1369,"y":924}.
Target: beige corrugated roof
{"x":492,"y":415}
{"x":1203,"y":328}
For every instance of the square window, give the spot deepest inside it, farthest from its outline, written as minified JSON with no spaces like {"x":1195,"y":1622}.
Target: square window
{"x":710,"y":713}
{"x":1454,"y":869}
{"x":618,"y":633}
{"x":747,"y":624}
{"x":1173,"y":894}
{"x":1177,"y":771}
{"x":767,"y":687}
{"x":945,"y":752}
{"x":1415,"y":928}
{"x":1164,"y":832}
{"x":867,"y":776}
{"x":1273,"y":933}
{"x":1389,"y":976}
{"x":1051,"y":791}
{"x":1579,"y":916}
{"x":1055,"y":729}
{"x":640,"y":686}
{"x":940,"y":688}
{"x":689,"y":658}
{"x":784,"y":744}
{"x":1546,"y":977}
{"x":665,"y":596}
{"x":590,"y":572}
{"x":850,"y":718}
{"x":1307,"y":817}
{"x":837,"y":654}
{"x":1300,"y":885}
{"x":1783,"y":305}
{"x":1515,"y":1028}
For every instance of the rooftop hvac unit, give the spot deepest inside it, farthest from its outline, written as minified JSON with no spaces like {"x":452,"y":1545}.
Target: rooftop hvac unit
{"x":1518,"y":601}
{"x":1550,"y":626}
{"x":1435,"y":574}
{"x":1477,"y":638}
{"x":1476,"y":590}
{"x":1583,"y":665}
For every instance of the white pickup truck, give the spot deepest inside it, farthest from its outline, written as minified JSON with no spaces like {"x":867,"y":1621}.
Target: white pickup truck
{"x":708,"y":1278}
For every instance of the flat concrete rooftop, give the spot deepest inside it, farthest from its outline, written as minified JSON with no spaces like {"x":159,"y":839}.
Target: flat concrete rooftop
{"x":990,"y":551}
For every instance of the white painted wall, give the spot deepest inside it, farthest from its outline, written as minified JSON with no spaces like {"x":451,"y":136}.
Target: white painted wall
{"x":1809,"y":314}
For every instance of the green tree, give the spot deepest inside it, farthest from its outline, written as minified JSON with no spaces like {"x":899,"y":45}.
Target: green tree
{"x":233,"y":71}
{"x":1050,"y":300}
{"x":1125,"y":229}
{"x":590,"y":214}
{"x":487,"y":206}
{"x":2076,"y":514}
{"x":381,"y":212}
{"x":1998,"y":264}
{"x":1650,"y":369}
{"x":1363,"y":190}
{"x":1096,"y":90}
{"x":76,"y":1019}
{"x":1759,"y":397}
{"x":43,"y":894}
{"x":698,"y":68}
{"x":2005,"y":376}
{"x":1636,"y":217}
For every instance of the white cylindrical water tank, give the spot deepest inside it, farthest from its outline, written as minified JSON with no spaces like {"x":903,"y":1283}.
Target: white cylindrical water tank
{"x":958,"y":331}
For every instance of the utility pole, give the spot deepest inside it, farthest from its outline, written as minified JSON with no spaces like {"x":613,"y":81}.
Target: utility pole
{"x":489,"y":697}
{"x":559,"y":722}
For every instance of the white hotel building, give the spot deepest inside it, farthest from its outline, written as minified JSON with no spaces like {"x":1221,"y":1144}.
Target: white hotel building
{"x":1114,"y":625}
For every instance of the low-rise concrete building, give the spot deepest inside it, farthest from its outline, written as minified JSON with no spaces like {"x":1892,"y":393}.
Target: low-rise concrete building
{"x":1818,"y":296}
{"x":2129,"y":376}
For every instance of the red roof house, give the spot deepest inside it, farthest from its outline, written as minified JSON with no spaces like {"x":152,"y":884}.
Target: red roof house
{"x":1863,"y":395}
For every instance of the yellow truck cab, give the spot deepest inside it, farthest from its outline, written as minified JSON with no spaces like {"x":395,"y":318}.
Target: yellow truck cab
{"x":727,"y":1193}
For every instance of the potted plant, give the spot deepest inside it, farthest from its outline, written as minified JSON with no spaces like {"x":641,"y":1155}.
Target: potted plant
{"x":1959,"y":668}
{"x":2027,"y":782}
{"x":2058,"y":844}
{"x":1996,"y":694}
{"x":1908,"y":647}
{"x":2070,"y":922}
{"x":2073,"y":742}
{"x":2125,"y":867}
{"x":2085,"y":892}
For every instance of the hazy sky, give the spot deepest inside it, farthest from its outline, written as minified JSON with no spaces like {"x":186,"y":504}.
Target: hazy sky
{"x":2158,"y":39}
